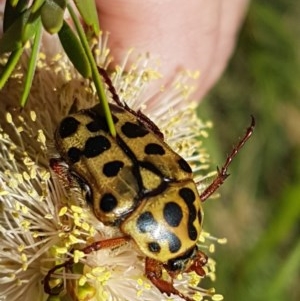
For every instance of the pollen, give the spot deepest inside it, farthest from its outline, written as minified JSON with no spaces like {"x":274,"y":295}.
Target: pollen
{"x":211,"y":248}
{"x":140,"y":281}
{"x":194,"y":279}
{"x":82,"y":280}
{"x":48,"y":216}
{"x":78,"y":255}
{"x":73,"y":239}
{"x":25,"y":210}
{"x":217,"y":297}
{"x":28,"y":161}
{"x":63,"y":211}
{"x":222,"y":241}
{"x":61,"y":250}
{"x":33,"y":116}
{"x":198,"y":296}
{"x":26,"y":176}
{"x":41,"y":137}
{"x":3,"y":192}
{"x":103,"y":277}
{"x":25,"y":224}
{"x":76,"y":209}
{"x":24,"y":258}
{"x":9,"y":118}
{"x":85,"y":226}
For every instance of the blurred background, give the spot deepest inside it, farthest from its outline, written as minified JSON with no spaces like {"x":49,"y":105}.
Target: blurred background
{"x":259,"y":207}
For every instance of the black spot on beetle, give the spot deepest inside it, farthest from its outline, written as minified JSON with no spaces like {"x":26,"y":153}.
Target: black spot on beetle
{"x":154,"y":149}
{"x":95,"y":146}
{"x":99,"y":123}
{"x":111,"y":169}
{"x":184,"y":165}
{"x":74,"y":155}
{"x":146,"y":222}
{"x":154,"y":247}
{"x":68,"y":127}
{"x":174,"y":243}
{"x":96,"y":125}
{"x":199,"y":216}
{"x":108,"y":202}
{"x":189,"y":197}
{"x":172,"y":214}
{"x":115,"y":119}
{"x":192,"y":231}
{"x":133,"y":130}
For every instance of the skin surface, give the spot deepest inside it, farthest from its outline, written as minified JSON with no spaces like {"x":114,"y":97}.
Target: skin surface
{"x":194,"y":35}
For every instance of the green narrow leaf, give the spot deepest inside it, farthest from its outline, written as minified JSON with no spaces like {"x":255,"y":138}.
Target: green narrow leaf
{"x":19,"y":32}
{"x":31,"y":26}
{"x":12,"y":12}
{"x":88,"y":12}
{"x":52,"y":14}
{"x":13,"y":2}
{"x":95,"y":74}
{"x":286,"y":271}
{"x":10,"y":66}
{"x":37,"y":5}
{"x":74,"y":50}
{"x":12,"y":38}
{"x":31,"y":64}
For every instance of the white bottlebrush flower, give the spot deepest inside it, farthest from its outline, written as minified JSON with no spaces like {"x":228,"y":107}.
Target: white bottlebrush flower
{"x":41,"y":221}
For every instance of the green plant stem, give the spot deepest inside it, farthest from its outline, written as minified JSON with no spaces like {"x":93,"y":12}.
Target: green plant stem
{"x":95,"y":73}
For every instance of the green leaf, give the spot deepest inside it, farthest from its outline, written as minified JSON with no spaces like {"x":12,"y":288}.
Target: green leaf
{"x":10,"y":66}
{"x":74,"y":50}
{"x":52,"y":13}
{"x":13,"y":2}
{"x":37,"y":5}
{"x":31,"y":64}
{"x":12,"y":38}
{"x":88,"y":12}
{"x":288,"y":270}
{"x":12,"y":12}
{"x":95,"y":74}
{"x":31,"y":27}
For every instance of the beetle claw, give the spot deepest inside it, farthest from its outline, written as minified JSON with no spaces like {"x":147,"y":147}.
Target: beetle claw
{"x":153,"y":271}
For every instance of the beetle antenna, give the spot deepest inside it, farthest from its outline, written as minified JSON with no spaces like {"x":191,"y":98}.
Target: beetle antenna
{"x":110,"y":86}
{"x":222,"y":173}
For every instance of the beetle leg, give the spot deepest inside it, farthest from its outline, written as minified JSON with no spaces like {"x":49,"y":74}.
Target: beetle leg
{"x":97,"y":245}
{"x":153,"y":271}
{"x":61,"y":169}
{"x":70,"y":178}
{"x":222,"y":174}
{"x":199,"y":262}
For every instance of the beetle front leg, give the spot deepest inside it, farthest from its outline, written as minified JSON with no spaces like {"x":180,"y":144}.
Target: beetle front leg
{"x":153,"y":271}
{"x":199,"y":262}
